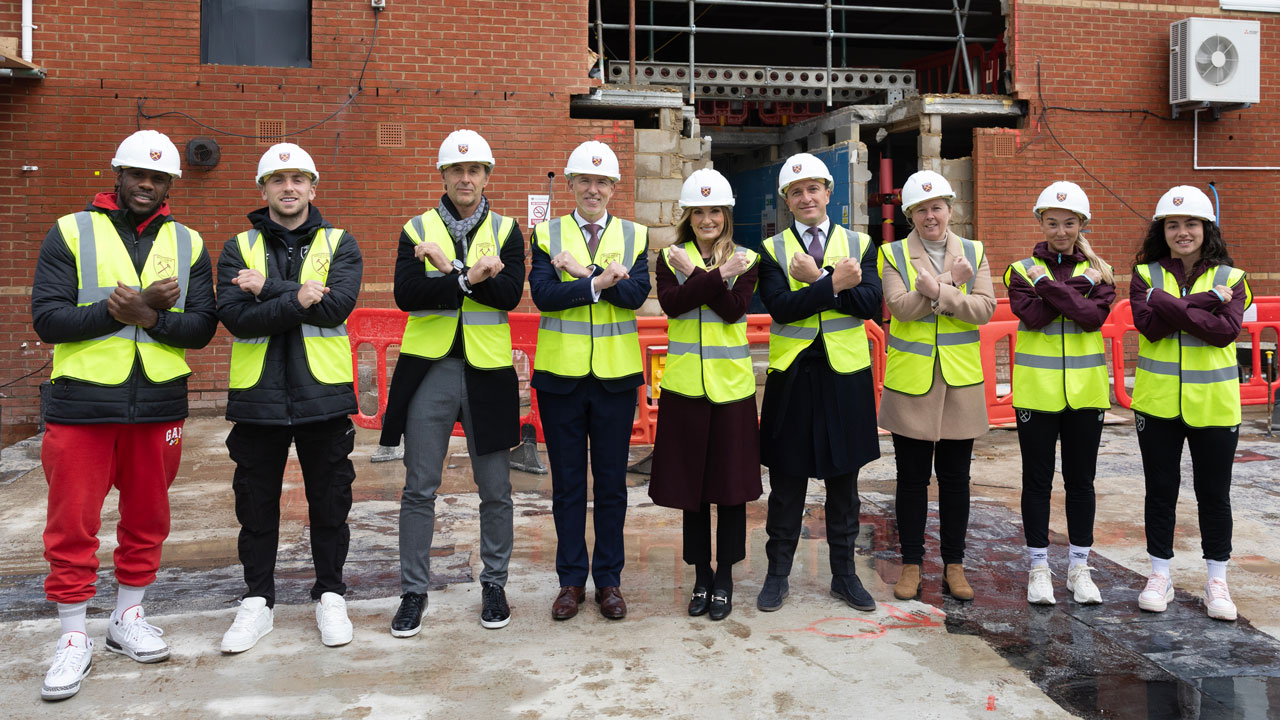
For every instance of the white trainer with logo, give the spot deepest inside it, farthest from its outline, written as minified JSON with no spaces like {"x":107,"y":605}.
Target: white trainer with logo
{"x":1080,"y":584}
{"x":1040,"y":586}
{"x":331,"y":618}
{"x":130,"y":634}
{"x":1217,"y":600}
{"x":1155,"y":597}
{"x":253,"y":621}
{"x":72,"y":659}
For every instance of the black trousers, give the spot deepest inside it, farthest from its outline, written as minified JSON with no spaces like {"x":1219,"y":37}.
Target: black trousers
{"x":1038,"y":434}
{"x":786,"y":513}
{"x":731,"y":535}
{"x":1213,"y":451}
{"x":260,"y":453}
{"x":917,"y":460}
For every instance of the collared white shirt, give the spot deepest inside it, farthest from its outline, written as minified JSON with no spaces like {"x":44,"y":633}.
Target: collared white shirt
{"x":802,"y":232}
{"x":582,"y":224}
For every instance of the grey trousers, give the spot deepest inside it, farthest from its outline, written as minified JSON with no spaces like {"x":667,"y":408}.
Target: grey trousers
{"x":435,"y":407}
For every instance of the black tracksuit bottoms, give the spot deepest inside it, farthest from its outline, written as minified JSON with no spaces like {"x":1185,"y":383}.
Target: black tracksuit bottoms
{"x":1038,"y":434}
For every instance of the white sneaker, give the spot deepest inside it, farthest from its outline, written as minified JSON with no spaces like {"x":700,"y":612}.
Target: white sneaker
{"x":1080,"y":582}
{"x":130,"y":634}
{"x":1040,"y":586}
{"x":1156,"y":596}
{"x":71,"y":663}
{"x":253,"y":621}
{"x":1217,"y":600}
{"x":331,"y":618}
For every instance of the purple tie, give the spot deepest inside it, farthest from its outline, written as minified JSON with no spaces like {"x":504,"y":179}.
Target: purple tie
{"x":593,"y":242}
{"x":815,"y":244}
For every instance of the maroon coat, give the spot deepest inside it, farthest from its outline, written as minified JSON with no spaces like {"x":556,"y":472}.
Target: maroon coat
{"x":705,"y":453}
{"x":1202,"y":314}
{"x":1060,"y":294}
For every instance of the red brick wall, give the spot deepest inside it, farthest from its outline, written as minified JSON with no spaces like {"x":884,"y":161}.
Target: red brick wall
{"x":502,"y":67}
{"x":1115,"y":55}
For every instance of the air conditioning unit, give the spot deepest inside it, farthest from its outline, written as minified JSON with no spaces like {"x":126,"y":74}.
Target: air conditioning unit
{"x":1214,"y":61}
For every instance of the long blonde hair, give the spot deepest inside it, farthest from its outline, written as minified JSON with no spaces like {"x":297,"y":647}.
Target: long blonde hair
{"x":722,"y":249}
{"x":1095,"y":262}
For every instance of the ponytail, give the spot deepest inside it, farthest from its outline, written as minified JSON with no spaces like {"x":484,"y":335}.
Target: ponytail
{"x":1094,"y":261}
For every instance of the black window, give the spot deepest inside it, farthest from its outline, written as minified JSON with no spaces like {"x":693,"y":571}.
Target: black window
{"x":256,"y":32}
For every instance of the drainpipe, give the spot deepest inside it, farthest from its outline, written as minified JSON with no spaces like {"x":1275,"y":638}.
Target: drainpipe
{"x":26,"y":30}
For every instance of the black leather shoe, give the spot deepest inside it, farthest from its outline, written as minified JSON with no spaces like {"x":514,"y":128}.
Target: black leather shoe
{"x":773,"y":593}
{"x":698,"y":602}
{"x":849,"y":589}
{"x":408,"y":619}
{"x":494,"y":612}
{"x":721,"y":604}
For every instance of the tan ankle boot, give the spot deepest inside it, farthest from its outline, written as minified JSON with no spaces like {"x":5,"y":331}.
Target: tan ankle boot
{"x":908,"y":583}
{"x":953,"y":576}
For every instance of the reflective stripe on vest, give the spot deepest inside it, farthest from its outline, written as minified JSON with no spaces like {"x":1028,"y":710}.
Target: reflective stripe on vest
{"x":1059,"y":366}
{"x":102,"y":261}
{"x":327,"y":350}
{"x":486,"y":334}
{"x":599,"y":338}
{"x":913,"y":345}
{"x":1181,"y":375}
{"x":844,"y":338}
{"x":707,"y":357}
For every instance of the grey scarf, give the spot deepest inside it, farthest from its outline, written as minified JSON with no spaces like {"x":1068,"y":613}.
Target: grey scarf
{"x":459,"y":229}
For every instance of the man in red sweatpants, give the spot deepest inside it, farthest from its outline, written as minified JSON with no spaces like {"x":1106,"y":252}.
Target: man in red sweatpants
{"x":121,"y":290}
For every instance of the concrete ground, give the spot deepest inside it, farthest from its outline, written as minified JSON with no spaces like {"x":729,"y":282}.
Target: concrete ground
{"x":815,"y":658}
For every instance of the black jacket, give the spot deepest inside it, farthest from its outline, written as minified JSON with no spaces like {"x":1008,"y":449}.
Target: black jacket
{"x":287,"y":393}
{"x":57,"y":319}
{"x":492,"y":395}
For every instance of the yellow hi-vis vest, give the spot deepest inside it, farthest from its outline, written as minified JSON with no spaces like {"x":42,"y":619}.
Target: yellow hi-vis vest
{"x":327,"y":349}
{"x":914,"y":345}
{"x":101,"y":262}
{"x":1060,"y":366}
{"x":486,"y":334}
{"x":1182,"y":375}
{"x":843,"y":337}
{"x":597,"y":338}
{"x":707,"y":356}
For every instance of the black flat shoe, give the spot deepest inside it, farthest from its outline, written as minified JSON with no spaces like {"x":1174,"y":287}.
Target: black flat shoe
{"x":721,"y":605}
{"x":698,"y":602}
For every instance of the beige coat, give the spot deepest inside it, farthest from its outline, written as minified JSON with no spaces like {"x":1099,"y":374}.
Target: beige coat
{"x":944,"y":413}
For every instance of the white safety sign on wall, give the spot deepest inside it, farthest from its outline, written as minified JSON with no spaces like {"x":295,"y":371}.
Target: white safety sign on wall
{"x":539,"y":206}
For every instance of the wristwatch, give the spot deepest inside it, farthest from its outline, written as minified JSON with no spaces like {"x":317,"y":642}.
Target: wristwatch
{"x":459,"y":265}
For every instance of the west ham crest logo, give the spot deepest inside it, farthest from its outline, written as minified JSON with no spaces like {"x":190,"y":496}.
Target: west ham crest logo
{"x":320,"y":261}
{"x":284,"y":157}
{"x":706,"y":191}
{"x":1177,"y":202}
{"x":796,"y":168}
{"x":155,"y":155}
{"x":463,"y":149}
{"x":596,"y":160}
{"x":163,"y":266}
{"x":927,"y":187}
{"x":1062,"y":197}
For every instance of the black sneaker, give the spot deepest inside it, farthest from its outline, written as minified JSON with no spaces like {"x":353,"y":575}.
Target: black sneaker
{"x":495,"y":613}
{"x":849,"y":589}
{"x":408,"y":619}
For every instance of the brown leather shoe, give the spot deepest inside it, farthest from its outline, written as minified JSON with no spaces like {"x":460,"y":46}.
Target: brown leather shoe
{"x":566,"y":604}
{"x":957,"y":585}
{"x":612,"y":605}
{"x":908,"y":582}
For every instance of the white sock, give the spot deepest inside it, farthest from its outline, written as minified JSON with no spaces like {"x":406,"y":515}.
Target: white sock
{"x":72,"y":615}
{"x":1039,"y":557}
{"x":1079,"y":555}
{"x":128,"y":596}
{"x":1217,"y":569}
{"x":1160,"y":565}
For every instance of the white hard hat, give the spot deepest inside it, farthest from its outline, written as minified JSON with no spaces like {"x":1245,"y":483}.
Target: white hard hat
{"x":1063,"y":195}
{"x":1185,"y":200}
{"x":924,"y":185}
{"x":706,"y":188}
{"x":150,"y":150}
{"x":593,"y":158}
{"x":464,"y":146}
{"x":803,"y":166}
{"x":286,"y":156}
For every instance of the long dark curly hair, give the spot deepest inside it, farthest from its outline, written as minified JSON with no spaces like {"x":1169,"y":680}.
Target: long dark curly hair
{"x":1212,"y":252}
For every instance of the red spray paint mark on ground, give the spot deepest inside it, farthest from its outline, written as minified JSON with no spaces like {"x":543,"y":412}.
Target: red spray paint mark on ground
{"x":905,"y":621}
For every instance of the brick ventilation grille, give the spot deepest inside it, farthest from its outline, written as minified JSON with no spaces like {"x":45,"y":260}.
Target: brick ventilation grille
{"x":390,"y":135}
{"x":269,"y":132}
{"x":1005,"y":146}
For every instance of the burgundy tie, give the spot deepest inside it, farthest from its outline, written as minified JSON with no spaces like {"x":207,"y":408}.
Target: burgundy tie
{"x":815,"y":244}
{"x":593,"y":242}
